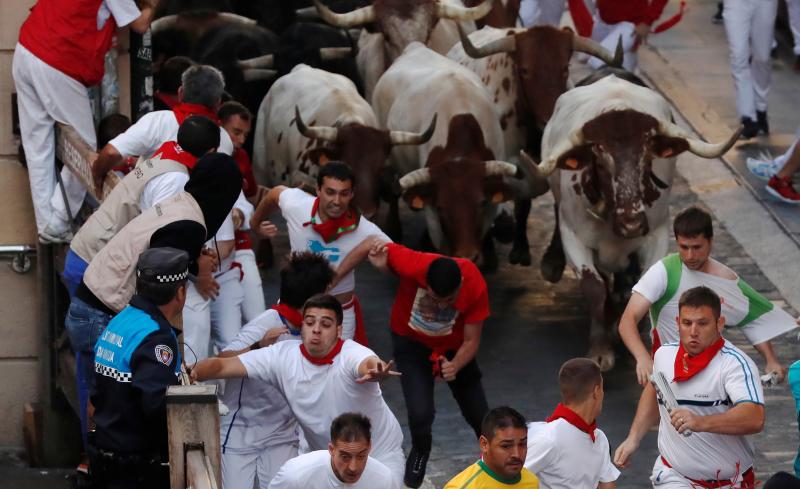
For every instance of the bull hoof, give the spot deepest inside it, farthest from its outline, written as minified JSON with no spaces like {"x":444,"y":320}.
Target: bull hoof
{"x":603,"y":354}
{"x":503,"y":229}
{"x":553,"y":267}
{"x":520,"y":256}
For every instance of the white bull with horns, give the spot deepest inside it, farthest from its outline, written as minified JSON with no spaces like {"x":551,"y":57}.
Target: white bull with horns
{"x":610,"y":150}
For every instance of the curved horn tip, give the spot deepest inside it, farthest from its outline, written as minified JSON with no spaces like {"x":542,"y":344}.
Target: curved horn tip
{"x":618,"y":54}
{"x":431,"y":128}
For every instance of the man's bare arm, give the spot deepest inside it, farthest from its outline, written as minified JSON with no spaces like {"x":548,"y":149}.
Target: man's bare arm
{"x":108,"y":158}
{"x":646,"y":417}
{"x":218,"y":368}
{"x":636,"y":309}
{"x":465,"y":353}
{"x":745,"y":418}
{"x":772,"y":362}
{"x":267,"y":206}
{"x":356,"y":256}
{"x":607,"y":485}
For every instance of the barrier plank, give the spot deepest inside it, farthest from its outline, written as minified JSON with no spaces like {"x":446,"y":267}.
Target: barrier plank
{"x":78,"y":156}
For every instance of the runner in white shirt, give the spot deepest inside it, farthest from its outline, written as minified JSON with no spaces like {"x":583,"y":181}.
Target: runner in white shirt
{"x":321,"y":377}
{"x":658,"y":290}
{"x":260,"y":433}
{"x":568,"y":451}
{"x":720,"y":401}
{"x":347,"y":238}
{"x":345,"y":464}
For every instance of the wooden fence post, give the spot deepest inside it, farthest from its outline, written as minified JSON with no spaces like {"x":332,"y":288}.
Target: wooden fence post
{"x":193,"y":426}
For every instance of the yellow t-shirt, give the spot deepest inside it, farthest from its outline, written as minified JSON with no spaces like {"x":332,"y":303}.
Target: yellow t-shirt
{"x":479,"y":476}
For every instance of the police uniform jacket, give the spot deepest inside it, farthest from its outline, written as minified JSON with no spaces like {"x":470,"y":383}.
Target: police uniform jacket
{"x":136,"y":358}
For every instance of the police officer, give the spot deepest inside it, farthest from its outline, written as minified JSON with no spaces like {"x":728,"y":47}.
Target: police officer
{"x":136,"y":358}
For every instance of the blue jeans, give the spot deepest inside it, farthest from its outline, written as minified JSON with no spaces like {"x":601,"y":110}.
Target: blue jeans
{"x":84,"y":325}
{"x":74,"y":268}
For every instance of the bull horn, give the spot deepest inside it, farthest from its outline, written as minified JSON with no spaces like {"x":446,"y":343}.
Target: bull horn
{"x":506,"y":44}
{"x":253,"y":74}
{"x":356,"y":18}
{"x":232,"y":18}
{"x":588,"y":46}
{"x":414,"y":178}
{"x":265,"y":61}
{"x":402,"y":137}
{"x":446,"y":10}
{"x":330,"y":54}
{"x":500,"y":168}
{"x":307,"y":13}
{"x":700,"y":148}
{"x":163,"y":23}
{"x":536,"y":185}
{"x":325,"y":133}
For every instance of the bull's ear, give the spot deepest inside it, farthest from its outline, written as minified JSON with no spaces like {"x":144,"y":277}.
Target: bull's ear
{"x":667,"y":147}
{"x":321,"y":155}
{"x":497,"y":191}
{"x":576,"y":158}
{"x":418,"y":196}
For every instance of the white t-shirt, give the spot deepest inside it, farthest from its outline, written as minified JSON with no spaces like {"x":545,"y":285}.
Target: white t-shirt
{"x":123,"y":11}
{"x":739,"y":301}
{"x":319,"y":393}
{"x":564,"y":457}
{"x":161,"y":187}
{"x":260,"y":417}
{"x":314,"y":471}
{"x":729,"y":379}
{"x":154,"y":129}
{"x":296,"y":208}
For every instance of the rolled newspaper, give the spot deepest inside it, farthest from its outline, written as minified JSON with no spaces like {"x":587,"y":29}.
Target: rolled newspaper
{"x":664,"y":391}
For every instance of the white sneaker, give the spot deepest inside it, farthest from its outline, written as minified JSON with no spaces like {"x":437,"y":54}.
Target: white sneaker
{"x":56,"y":231}
{"x":763,"y":169}
{"x":223,"y":409}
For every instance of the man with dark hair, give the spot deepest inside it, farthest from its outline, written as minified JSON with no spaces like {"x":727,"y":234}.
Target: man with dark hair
{"x":137,"y":357}
{"x":504,"y":444}
{"x":261,"y":432}
{"x":720,"y":401}
{"x":569,"y":450}
{"x":346,"y":462}
{"x":168,"y":82}
{"x":658,"y":290}
{"x":327,"y":224}
{"x":320,"y":377}
{"x":436,"y":322}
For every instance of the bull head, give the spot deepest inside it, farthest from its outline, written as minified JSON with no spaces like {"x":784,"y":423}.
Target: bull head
{"x":614,"y":154}
{"x":541,"y":58}
{"x":364,"y":148}
{"x":170,"y":21}
{"x":367,"y":15}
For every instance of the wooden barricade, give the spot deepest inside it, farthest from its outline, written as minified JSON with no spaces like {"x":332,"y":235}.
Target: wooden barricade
{"x":193,"y":427}
{"x":78,"y":156}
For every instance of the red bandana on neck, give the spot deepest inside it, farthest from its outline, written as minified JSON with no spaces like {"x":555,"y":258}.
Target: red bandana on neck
{"x":332,"y":229}
{"x":327,"y":359}
{"x":574,"y":419}
{"x":183,"y":110}
{"x":172,"y":151}
{"x":290,"y":314}
{"x":687,"y":367}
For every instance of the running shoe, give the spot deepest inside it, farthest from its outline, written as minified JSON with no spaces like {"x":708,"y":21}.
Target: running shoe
{"x":763,"y":168}
{"x":781,"y":188}
{"x":750,"y":129}
{"x":416,"y":463}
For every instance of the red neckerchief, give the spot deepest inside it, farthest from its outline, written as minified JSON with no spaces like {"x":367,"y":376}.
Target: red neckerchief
{"x":172,"y":151}
{"x":574,"y":419}
{"x":332,"y":229}
{"x":687,"y":367}
{"x":289,"y":313}
{"x":184,"y":110}
{"x":327,"y":359}
{"x":167,"y":99}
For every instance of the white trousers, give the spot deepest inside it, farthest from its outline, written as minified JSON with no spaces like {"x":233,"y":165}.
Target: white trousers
{"x":793,"y":6}
{"x":750,"y":25}
{"x":541,"y":12}
{"x":664,"y":477}
{"x":242,"y":470}
{"x":395,"y":461}
{"x":348,"y":321}
{"x":608,"y":35}
{"x":253,"y":301}
{"x":46,"y":96}
{"x":212,"y":323}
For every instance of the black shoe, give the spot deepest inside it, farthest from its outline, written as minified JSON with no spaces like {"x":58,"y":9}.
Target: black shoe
{"x":717,"y":18}
{"x":750,"y":128}
{"x":415,"y":468}
{"x":761,"y":121}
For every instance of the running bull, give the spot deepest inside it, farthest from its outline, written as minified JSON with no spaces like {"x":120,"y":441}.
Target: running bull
{"x":610,"y":152}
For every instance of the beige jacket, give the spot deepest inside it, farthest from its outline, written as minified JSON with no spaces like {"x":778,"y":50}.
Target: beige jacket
{"x":110,"y":275}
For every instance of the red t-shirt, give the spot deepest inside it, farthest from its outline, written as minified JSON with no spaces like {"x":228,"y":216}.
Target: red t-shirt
{"x":635,"y":11}
{"x":415,"y":315}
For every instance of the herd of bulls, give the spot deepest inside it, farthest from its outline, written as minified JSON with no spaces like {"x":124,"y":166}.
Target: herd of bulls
{"x":426,"y":108}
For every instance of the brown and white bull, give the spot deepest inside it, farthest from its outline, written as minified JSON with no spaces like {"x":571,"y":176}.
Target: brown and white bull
{"x":524,"y":70}
{"x":394,"y":24}
{"x":610,"y":149}
{"x":455,"y":177}
{"x":311,"y":116}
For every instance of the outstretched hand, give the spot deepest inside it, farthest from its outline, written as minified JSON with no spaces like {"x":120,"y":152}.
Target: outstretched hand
{"x":378,"y":254}
{"x":381,"y":371}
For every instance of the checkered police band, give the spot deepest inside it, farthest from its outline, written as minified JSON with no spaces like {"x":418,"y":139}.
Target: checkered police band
{"x":112,"y":372}
{"x":165,"y":279}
